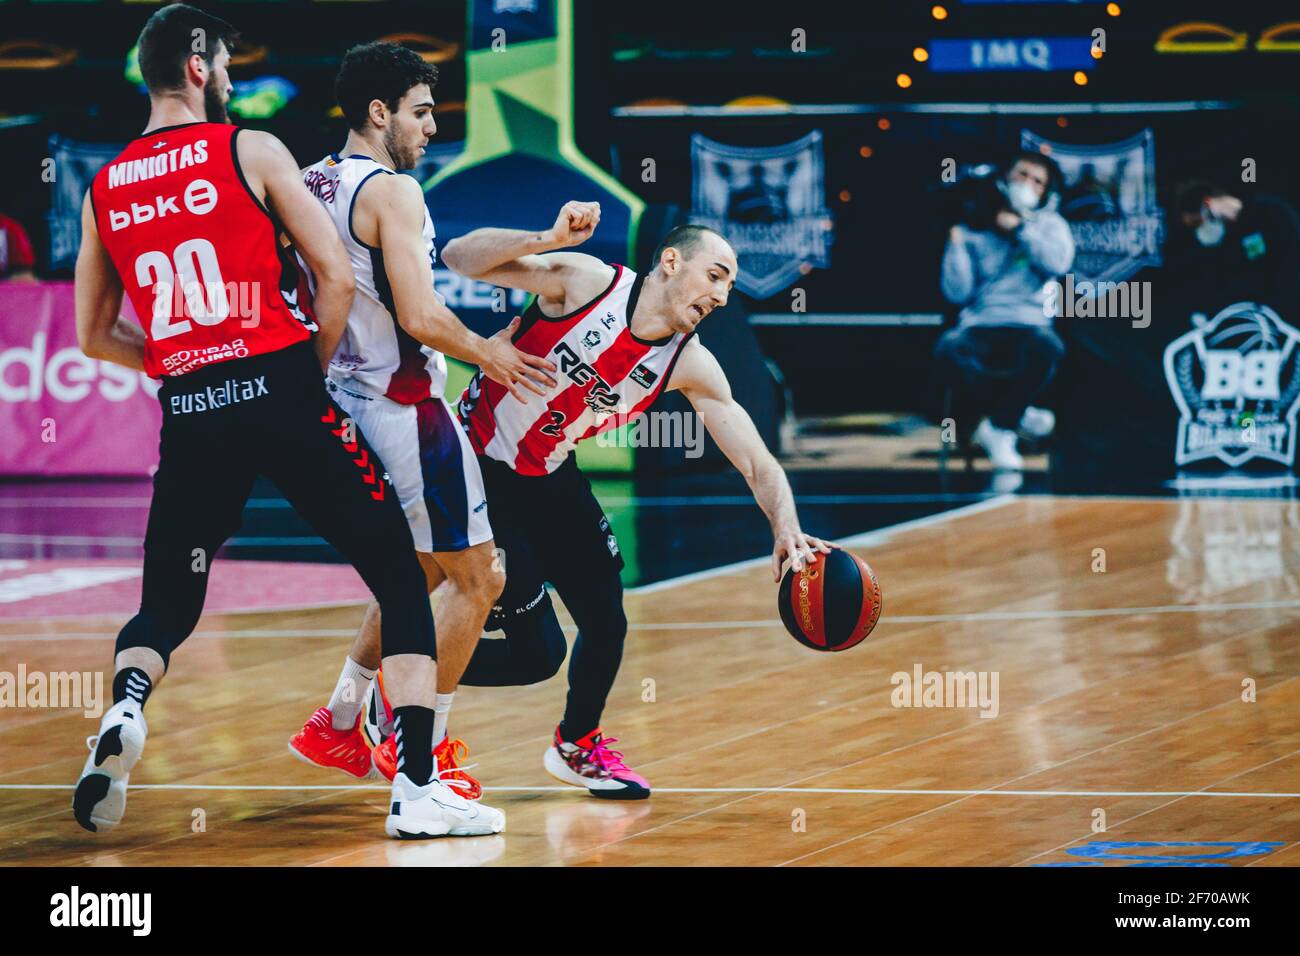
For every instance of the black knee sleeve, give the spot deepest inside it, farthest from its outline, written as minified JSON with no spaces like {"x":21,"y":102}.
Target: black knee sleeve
{"x":532,"y":651}
{"x":537,"y":644}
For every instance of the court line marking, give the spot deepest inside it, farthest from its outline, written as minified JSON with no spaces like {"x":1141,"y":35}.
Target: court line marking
{"x":862,"y":791}
{"x":943,"y":806}
{"x":1031,"y":773}
{"x":1044,"y":615}
{"x":876,"y":536}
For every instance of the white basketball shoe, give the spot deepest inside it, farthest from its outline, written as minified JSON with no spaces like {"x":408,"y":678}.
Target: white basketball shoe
{"x":100,"y":798}
{"x":435,"y":809}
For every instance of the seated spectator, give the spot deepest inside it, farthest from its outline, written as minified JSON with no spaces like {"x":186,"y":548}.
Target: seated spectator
{"x":1003,"y":352}
{"x":1249,"y":249}
{"x":16,"y":259}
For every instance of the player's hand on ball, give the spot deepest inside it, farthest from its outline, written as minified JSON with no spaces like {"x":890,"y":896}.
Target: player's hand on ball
{"x":575,"y":223}
{"x":506,"y":365}
{"x":800,"y":548}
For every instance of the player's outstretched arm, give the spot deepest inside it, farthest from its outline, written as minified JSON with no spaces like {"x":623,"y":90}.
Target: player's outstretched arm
{"x":272,"y":174}
{"x":700,"y":378}
{"x":514,"y":258}
{"x":101,"y":332}
{"x":397,"y":205}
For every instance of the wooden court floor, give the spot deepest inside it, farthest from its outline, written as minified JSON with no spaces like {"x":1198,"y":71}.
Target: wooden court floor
{"x":1119,"y":703}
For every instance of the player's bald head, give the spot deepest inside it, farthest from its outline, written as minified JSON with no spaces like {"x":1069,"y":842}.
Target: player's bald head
{"x":688,"y":240}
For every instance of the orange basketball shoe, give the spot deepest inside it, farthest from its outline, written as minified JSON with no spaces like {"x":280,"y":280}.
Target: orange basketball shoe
{"x":448,"y":755}
{"x":320,"y":744}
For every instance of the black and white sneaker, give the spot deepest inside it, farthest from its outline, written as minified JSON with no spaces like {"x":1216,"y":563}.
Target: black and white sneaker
{"x":435,"y":809}
{"x":100,"y":798}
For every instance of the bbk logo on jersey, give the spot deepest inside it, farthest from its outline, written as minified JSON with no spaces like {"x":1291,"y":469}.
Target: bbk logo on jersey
{"x":1236,"y":381}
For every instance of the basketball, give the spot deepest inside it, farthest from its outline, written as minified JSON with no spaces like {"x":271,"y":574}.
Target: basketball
{"x":831,"y":605}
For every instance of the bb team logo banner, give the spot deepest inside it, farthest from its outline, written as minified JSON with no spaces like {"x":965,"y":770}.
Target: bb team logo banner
{"x":769,"y":202}
{"x":1109,"y":200}
{"x":1236,"y":381}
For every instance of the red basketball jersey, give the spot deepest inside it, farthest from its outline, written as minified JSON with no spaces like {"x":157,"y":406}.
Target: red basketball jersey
{"x":197,"y":252}
{"x":607,"y":377}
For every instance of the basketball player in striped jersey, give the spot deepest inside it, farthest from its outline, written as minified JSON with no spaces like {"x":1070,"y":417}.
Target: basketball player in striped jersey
{"x":388,"y":374}
{"x":619,"y":340}
{"x":190,"y":208}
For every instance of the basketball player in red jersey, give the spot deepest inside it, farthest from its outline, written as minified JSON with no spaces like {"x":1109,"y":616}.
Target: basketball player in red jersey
{"x":185,"y":221}
{"x":620,"y":339}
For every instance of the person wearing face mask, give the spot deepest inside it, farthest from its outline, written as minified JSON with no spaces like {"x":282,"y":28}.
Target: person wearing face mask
{"x":1004,"y":352}
{"x":1246,"y":249}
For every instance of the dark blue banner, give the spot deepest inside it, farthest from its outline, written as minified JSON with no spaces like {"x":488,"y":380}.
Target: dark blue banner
{"x":988,"y":55}
{"x":502,"y":22}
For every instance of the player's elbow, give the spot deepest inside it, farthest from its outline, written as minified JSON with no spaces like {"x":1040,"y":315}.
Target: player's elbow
{"x":87,"y":343}
{"x":455,"y":257}
{"x":90,"y":341}
{"x":451,"y":255}
{"x":423,"y":325}
{"x":338,"y":280}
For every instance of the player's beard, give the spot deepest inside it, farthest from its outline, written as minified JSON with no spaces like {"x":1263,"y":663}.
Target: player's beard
{"x":214,"y":106}
{"x":402,"y":158}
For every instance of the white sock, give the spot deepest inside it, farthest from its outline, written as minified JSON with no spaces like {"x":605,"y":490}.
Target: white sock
{"x":441,"y":708}
{"x":350,"y":694}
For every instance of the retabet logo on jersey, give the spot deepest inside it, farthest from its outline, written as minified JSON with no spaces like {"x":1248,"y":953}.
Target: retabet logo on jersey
{"x":599,"y":398}
{"x":1236,"y":381}
{"x":200,"y":198}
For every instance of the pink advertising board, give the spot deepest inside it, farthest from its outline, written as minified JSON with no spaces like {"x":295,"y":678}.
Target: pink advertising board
{"x":62,"y":413}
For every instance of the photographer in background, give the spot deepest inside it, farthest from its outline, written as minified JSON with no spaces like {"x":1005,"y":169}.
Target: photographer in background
{"x":1003,"y":352}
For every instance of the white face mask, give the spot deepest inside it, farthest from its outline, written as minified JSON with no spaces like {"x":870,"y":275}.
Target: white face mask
{"x":1210,"y":231}
{"x":1024,"y":197}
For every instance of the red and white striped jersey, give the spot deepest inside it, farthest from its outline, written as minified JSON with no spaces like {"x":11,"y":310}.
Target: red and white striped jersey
{"x":606,"y":376}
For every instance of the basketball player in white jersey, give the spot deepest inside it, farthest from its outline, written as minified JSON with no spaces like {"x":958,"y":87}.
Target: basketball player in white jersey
{"x":388,"y":374}
{"x":619,"y":340}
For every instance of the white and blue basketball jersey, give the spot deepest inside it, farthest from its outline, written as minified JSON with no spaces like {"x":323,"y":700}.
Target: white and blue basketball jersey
{"x":376,"y":356}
